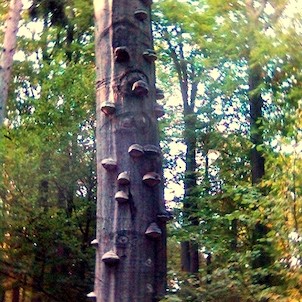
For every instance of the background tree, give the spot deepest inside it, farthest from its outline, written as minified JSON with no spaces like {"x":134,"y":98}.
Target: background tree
{"x":186,"y":64}
{"x":49,"y":180}
{"x":233,"y":207}
{"x":8,"y":51}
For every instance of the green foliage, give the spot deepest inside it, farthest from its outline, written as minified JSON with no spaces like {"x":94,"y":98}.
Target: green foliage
{"x":48,"y":180}
{"x":47,"y":185}
{"x":238,"y":222}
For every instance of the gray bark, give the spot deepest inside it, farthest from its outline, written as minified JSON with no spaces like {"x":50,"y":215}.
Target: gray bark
{"x":135,"y":270}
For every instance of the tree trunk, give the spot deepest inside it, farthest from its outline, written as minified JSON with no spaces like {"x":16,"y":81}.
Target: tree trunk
{"x":9,"y":47}
{"x":262,"y":258}
{"x":16,"y":294}
{"x":131,"y":235}
{"x":256,"y":105}
{"x":189,"y":249}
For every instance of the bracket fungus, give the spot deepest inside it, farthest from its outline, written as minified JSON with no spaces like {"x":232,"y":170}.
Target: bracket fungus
{"x":109,"y":164}
{"x":110,"y":258}
{"x":123,"y":178}
{"x":164,"y":216}
{"x":159,"y":110}
{"x":140,"y":88}
{"x":91,"y":295}
{"x":150,"y":55}
{"x":136,"y":150}
{"x":121,"y":197}
{"x":94,"y":243}
{"x":159,"y":94}
{"x":108,"y":108}
{"x":147,"y":2}
{"x":141,"y":14}
{"x":121,"y":54}
{"x":151,"y":179}
{"x":151,"y":150}
{"x":153,"y":231}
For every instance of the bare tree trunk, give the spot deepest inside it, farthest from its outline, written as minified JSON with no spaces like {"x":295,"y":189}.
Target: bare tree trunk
{"x":16,"y":294}
{"x":256,"y":105}
{"x":189,"y":249}
{"x":263,"y":259}
{"x":131,"y":235}
{"x":8,"y":51}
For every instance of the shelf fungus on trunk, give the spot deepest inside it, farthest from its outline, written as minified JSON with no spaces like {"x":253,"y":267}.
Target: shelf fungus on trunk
{"x":123,"y":178}
{"x":151,"y":179}
{"x":108,"y":108}
{"x":141,"y":14}
{"x":121,"y":197}
{"x":159,"y":94}
{"x":140,"y":88}
{"x":153,"y":231}
{"x":159,"y":110}
{"x":150,"y":55}
{"x":164,"y":216}
{"x":91,"y":295}
{"x":121,"y":54}
{"x":94,"y":243}
{"x":136,"y":150}
{"x":109,"y":164}
{"x":147,"y":2}
{"x":152,"y":150}
{"x":110,"y":258}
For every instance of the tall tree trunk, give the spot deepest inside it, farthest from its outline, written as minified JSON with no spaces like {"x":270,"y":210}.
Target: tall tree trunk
{"x":16,"y":294}
{"x":189,"y":249}
{"x":256,"y":105}
{"x":8,"y":51}
{"x":131,"y":235}
{"x":262,"y":258}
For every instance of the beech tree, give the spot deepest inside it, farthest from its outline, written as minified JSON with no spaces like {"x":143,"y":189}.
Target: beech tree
{"x":131,"y":237}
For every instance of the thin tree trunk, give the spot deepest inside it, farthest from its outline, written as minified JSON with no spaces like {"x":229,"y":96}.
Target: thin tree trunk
{"x":131,"y":237}
{"x":8,"y":51}
{"x":256,"y":105}
{"x":262,"y":258}
{"x":16,"y":294}
{"x":189,"y":249}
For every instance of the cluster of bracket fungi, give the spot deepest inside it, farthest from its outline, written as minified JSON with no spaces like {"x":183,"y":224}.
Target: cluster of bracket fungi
{"x":150,"y":179}
{"x":139,"y":88}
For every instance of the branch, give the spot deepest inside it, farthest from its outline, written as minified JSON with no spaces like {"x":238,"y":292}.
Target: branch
{"x":180,"y":66}
{"x":194,"y":89}
{"x":261,"y":9}
{"x":279,"y":9}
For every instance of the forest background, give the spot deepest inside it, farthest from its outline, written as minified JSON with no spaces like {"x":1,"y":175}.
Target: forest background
{"x":231,"y":139}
